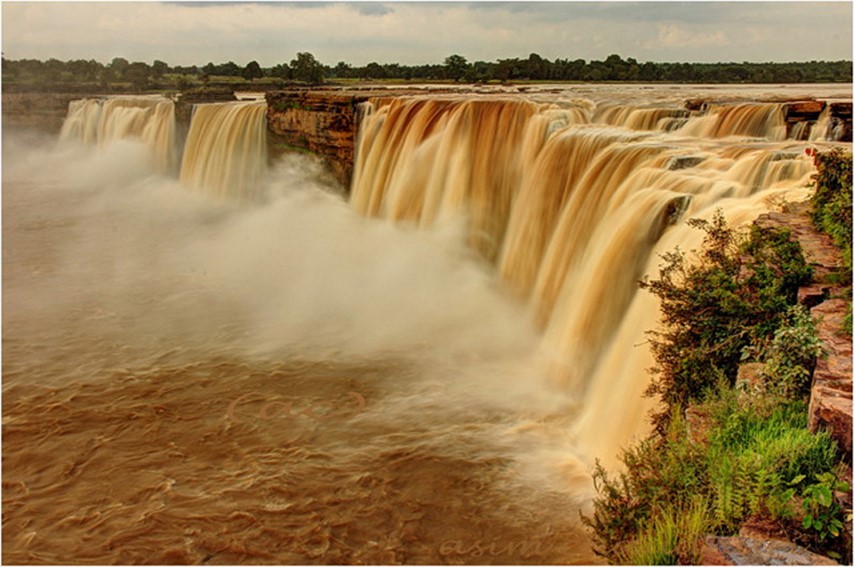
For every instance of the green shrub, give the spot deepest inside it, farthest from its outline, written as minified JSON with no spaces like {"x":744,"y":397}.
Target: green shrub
{"x":792,"y":354}
{"x":753,"y":450}
{"x":756,"y":449}
{"x":735,"y":294}
{"x":740,"y":454}
{"x":823,"y":514}
{"x":674,"y":538}
{"x":659,"y":474}
{"x":831,"y":203}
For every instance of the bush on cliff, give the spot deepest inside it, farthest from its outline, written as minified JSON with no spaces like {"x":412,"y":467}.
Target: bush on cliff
{"x":831,"y":204}
{"x":722,"y":455}
{"x":736,"y":293}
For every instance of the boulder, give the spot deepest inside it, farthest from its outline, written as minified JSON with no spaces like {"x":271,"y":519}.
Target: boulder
{"x":752,"y":551}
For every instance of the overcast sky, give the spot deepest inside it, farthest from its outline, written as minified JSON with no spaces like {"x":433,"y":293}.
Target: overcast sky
{"x":422,"y":32}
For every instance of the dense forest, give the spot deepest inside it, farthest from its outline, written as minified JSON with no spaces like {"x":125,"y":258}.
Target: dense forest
{"x":122,"y":74}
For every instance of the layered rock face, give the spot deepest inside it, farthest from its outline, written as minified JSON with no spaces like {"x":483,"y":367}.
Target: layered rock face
{"x":831,"y":402}
{"x":41,"y":111}
{"x":322,"y":122}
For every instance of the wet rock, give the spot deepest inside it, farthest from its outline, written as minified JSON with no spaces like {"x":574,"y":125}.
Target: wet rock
{"x":752,"y":551}
{"x":685,"y":162}
{"x":804,"y":109}
{"x":322,"y":122}
{"x":840,"y":119}
{"x":42,"y":111}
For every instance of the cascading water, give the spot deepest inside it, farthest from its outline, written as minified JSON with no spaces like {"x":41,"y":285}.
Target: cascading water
{"x":572,"y":210}
{"x":149,"y":119}
{"x":226,"y":149}
{"x":747,"y":119}
{"x":192,"y":379}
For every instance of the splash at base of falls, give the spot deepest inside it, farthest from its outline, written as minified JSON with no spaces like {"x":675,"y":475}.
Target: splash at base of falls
{"x":150,"y":119}
{"x":192,"y":380}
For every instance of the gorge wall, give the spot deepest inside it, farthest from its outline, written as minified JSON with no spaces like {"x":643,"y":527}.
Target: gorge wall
{"x":322,"y":122}
{"x":39,"y":111}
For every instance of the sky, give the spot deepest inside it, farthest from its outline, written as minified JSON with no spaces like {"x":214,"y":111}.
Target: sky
{"x":194,"y":33}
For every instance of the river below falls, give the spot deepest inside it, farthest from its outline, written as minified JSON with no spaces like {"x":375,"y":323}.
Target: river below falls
{"x":158,"y":409}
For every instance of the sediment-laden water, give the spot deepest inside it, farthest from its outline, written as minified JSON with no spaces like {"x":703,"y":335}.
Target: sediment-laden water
{"x":275,"y":372}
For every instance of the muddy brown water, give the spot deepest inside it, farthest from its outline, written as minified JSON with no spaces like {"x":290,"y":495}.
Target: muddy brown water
{"x":123,"y":446}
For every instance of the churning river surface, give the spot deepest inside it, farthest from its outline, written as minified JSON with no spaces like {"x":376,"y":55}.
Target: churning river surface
{"x":235,"y":363}
{"x":188,"y":380}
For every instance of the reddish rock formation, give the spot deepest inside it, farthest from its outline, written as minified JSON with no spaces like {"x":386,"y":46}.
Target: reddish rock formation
{"x":840,"y":120}
{"x":830,"y":402}
{"x":322,"y":122}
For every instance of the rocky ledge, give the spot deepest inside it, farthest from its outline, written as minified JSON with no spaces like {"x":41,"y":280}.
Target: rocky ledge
{"x":830,"y":399}
{"x":830,"y":405}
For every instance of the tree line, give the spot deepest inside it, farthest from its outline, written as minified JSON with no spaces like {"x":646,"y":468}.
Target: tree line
{"x":305,"y":68}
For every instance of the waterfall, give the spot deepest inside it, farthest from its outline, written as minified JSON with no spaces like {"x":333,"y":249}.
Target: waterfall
{"x":657,"y":118}
{"x":572,"y":208}
{"x":226,"y":149}
{"x":149,"y":119}
{"x":821,"y":129}
{"x":756,"y":120}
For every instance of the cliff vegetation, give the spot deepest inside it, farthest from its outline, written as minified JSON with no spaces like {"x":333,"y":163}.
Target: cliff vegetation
{"x":731,"y":449}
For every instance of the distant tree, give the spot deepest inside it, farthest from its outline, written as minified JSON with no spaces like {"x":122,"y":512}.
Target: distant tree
{"x":118,"y":66}
{"x":479,"y":71}
{"x":393,"y":70}
{"x":54,"y":68}
{"x":509,"y":69}
{"x":282,"y":71}
{"x":649,"y":71}
{"x":230,"y":69}
{"x":252,"y":71}
{"x":191,"y":70}
{"x":138,"y":74}
{"x":374,"y":71}
{"x":10,"y":70}
{"x":536,"y":68}
{"x":306,"y":68}
{"x":106,"y":76}
{"x":342,"y":70}
{"x":159,"y":68}
{"x":456,"y":67}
